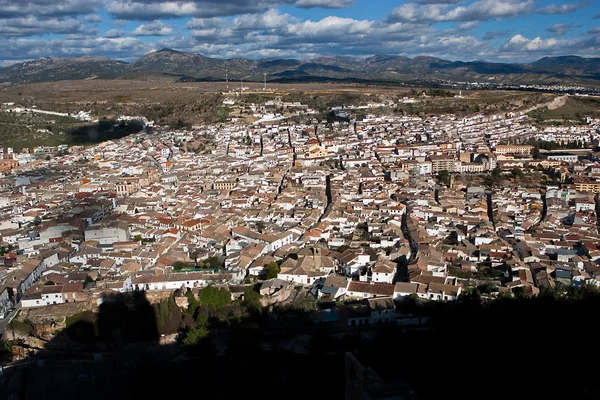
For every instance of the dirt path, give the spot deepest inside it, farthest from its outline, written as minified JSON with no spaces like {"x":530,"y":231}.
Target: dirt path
{"x":552,"y":105}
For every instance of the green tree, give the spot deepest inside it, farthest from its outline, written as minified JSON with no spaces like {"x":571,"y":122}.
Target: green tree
{"x":195,"y":336}
{"x":213,"y":262}
{"x":251,"y":299}
{"x":214,"y":297}
{"x":49,"y":283}
{"x":222,"y":114}
{"x":444,"y":177}
{"x":5,"y":348}
{"x":168,"y":316}
{"x":179,"y":265}
{"x":271,"y":270}
{"x":516,"y":173}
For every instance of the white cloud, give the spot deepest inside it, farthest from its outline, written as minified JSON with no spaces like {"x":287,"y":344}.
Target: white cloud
{"x":268,"y":20}
{"x":465,"y":26}
{"x":562,"y":8}
{"x":482,"y":10}
{"x":29,"y":26}
{"x":28,"y":48}
{"x":114,"y":33}
{"x":154,"y":28}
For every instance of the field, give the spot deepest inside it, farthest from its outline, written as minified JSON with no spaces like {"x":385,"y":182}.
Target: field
{"x":195,"y":103}
{"x":572,"y":111}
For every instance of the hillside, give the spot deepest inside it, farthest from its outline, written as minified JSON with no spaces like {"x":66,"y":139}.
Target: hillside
{"x":171,"y":65}
{"x":57,"y":69}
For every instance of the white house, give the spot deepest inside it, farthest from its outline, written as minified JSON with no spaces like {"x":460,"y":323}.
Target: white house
{"x":384,"y":271}
{"x":382,"y":310}
{"x":363,"y":290}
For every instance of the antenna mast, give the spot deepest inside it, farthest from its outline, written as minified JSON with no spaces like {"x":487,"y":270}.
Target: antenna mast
{"x":227,"y":80}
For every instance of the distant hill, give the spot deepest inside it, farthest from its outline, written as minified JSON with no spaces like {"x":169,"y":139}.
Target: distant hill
{"x":58,"y":69}
{"x":179,"y":66}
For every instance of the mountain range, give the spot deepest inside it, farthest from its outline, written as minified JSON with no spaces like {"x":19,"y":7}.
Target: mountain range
{"x":179,"y":66}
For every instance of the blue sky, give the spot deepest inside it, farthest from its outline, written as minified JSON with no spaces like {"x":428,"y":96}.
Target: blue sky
{"x":493,"y":30}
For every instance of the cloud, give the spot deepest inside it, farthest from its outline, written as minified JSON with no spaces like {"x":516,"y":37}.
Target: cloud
{"x":566,"y":8}
{"x":268,"y":20}
{"x":29,"y":26}
{"x":154,"y":9}
{"x":154,"y":28}
{"x":520,"y":43}
{"x":520,"y":47}
{"x":438,"y":1}
{"x":596,"y":16}
{"x":272,"y":34}
{"x":468,"y":25}
{"x":561,"y":29}
{"x":33,"y":48}
{"x":114,"y":33}
{"x":92,"y":18}
{"x":482,"y":10}
{"x":490,"y":35}
{"x":12,"y":8}
{"x":323,"y":3}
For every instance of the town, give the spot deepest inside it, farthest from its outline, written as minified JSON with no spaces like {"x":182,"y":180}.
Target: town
{"x":364,"y":215}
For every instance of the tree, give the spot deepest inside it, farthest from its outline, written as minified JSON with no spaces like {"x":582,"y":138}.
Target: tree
{"x":222,"y":114}
{"x":260,"y":225}
{"x":214,"y":297}
{"x":5,"y":348}
{"x":168,"y":316}
{"x":179,"y":265}
{"x":88,"y":279}
{"x":49,"y":283}
{"x":444,"y":177}
{"x":516,"y":173}
{"x":271,"y":270}
{"x":251,"y":299}
{"x":195,"y":336}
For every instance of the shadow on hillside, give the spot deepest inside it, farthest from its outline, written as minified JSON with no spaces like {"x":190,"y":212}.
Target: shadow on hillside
{"x":511,"y":348}
{"x":104,"y":130}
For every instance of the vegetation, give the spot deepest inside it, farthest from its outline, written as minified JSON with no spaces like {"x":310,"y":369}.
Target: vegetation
{"x":168,"y":316}
{"x":271,"y":270}
{"x":179,"y":265}
{"x":573,"y":111}
{"x":251,"y":300}
{"x":24,"y":130}
{"x":196,"y":335}
{"x":494,"y":178}
{"x":212,"y":262}
{"x":23,"y":327}
{"x":5,"y":348}
{"x":213,"y":297}
{"x":444,"y":177}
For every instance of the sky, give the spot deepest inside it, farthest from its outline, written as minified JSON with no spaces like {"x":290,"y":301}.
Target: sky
{"x":491,"y":30}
